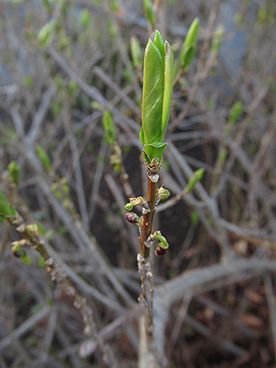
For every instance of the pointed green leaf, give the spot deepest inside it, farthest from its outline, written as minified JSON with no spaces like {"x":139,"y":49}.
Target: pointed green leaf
{"x":217,"y":39}
{"x":159,"y":42}
{"x":109,"y":128}
{"x":135,"y":50}
{"x":85,"y":18}
{"x":154,"y":150}
{"x":25,"y":258}
{"x":156,"y":96}
{"x":196,"y":177}
{"x":236,"y":112}
{"x":189,"y":46}
{"x":43,"y":157}
{"x":6,"y":209}
{"x":152,"y":98}
{"x":168,"y":84}
{"x":46,"y":34}
{"x":188,"y":57}
{"x":14,"y":172}
{"x":149,"y":12}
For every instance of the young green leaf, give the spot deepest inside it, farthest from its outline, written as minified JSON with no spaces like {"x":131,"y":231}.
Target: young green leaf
{"x":156,"y":97}
{"x":149,"y":12}
{"x":188,"y":50}
{"x":43,"y":157}
{"x":46,"y":34}
{"x":163,"y":194}
{"x":196,"y":177}
{"x":41,"y":262}
{"x":168,"y":86}
{"x":217,"y":39}
{"x":128,"y":207}
{"x":163,"y":243}
{"x":14,"y":172}
{"x":135,"y":50}
{"x":6,"y":209}
{"x":195,"y":217}
{"x":109,"y":128}
{"x":85,"y":18}
{"x":25,"y":258}
{"x":235,"y":112}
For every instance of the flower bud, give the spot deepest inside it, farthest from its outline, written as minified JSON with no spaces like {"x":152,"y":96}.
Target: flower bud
{"x":159,"y":251}
{"x":132,"y":218}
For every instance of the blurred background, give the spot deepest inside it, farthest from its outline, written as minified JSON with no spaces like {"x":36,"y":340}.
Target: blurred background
{"x":63,"y":65}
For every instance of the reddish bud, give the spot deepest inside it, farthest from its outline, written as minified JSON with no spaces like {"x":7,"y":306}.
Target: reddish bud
{"x":132,"y":217}
{"x":160,"y":251}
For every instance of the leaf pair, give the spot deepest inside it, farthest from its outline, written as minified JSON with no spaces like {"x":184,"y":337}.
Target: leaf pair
{"x":156,"y":98}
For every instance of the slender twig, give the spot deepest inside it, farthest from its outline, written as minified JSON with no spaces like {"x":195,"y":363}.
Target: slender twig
{"x":147,"y":348}
{"x":30,"y":235}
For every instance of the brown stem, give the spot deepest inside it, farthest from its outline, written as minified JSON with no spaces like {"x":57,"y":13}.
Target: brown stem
{"x":147,"y":354}
{"x":146,"y":225}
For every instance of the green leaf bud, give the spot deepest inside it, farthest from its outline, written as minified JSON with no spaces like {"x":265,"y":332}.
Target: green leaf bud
{"x":43,"y":157}
{"x":128,"y":207}
{"x":163,"y":194}
{"x":134,"y":201}
{"x":149,"y":12}
{"x":217,"y":39}
{"x":135,"y":50}
{"x":188,"y":50}
{"x":163,"y":243}
{"x":156,"y":97}
{"x":14,"y":172}
{"x":235,"y":112}
{"x":85,"y":18}
{"x":6,"y":209}
{"x":196,"y":177}
{"x":109,"y":128}
{"x":46,"y":34}
{"x":32,"y":230}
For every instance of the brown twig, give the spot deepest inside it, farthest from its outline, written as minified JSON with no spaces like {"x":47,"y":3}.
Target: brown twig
{"x":147,"y":348}
{"x":147,"y":219}
{"x":31,"y":238}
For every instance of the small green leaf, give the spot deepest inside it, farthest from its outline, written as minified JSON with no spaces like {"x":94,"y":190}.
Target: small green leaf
{"x":27,"y":81}
{"x":73,"y":88}
{"x":85,"y":18}
{"x":188,"y":50}
{"x":163,"y":194}
{"x":134,"y":201}
{"x":149,"y":12}
{"x":128,"y":207}
{"x":217,"y":39}
{"x":136,"y":53}
{"x":195,"y":217}
{"x":25,"y":258}
{"x":114,"y":6}
{"x":14,"y":172}
{"x":109,"y":128}
{"x":46,"y":34}
{"x":6,"y":209}
{"x":168,"y":86}
{"x":43,"y":157}
{"x":196,"y":177}
{"x":163,"y":243}
{"x":41,"y":262}
{"x":235,"y":112}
